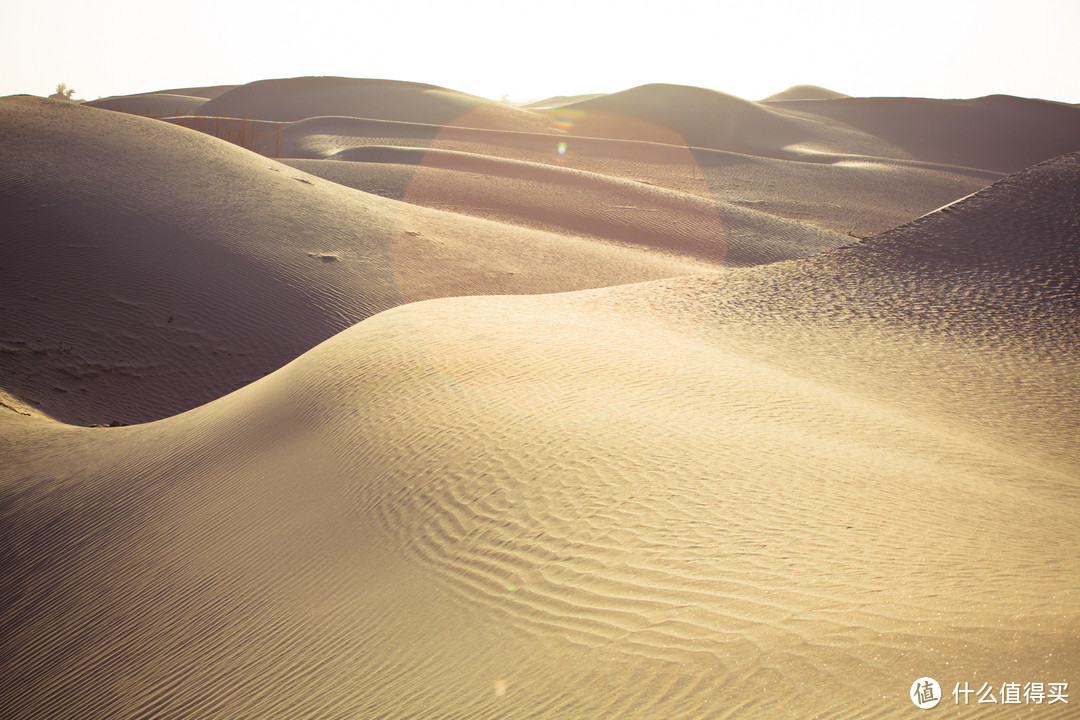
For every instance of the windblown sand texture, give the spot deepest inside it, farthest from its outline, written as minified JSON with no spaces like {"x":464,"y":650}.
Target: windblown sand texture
{"x":599,"y":408}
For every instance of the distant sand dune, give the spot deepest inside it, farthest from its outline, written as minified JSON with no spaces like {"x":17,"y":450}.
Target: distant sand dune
{"x":805,"y":92}
{"x":560,"y":101}
{"x":549,"y":197}
{"x":300,"y":98}
{"x":159,"y":105}
{"x":262,"y":136}
{"x":844,"y":193}
{"x":999,"y":132}
{"x":705,"y":118}
{"x":205,"y":91}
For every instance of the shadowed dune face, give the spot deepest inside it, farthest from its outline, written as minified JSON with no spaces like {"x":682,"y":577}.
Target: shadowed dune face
{"x":136,"y":288}
{"x":127,"y":265}
{"x":781,"y":491}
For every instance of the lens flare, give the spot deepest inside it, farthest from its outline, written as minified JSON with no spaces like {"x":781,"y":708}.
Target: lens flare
{"x":566,"y":117}
{"x":562,"y":149}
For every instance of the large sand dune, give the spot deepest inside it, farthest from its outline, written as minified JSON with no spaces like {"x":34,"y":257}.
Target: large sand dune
{"x":150,"y":269}
{"x":786,"y":489}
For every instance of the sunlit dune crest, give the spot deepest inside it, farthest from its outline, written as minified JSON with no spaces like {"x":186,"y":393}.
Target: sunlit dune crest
{"x":656,"y":404}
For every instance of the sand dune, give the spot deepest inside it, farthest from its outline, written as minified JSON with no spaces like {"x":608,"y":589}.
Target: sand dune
{"x":843,"y":193}
{"x":530,"y":443}
{"x":162,"y":103}
{"x":670,"y":166}
{"x":560,"y":101}
{"x":155,"y":105}
{"x":1015,"y":132}
{"x":204,"y":91}
{"x":184,"y":276}
{"x":548,"y":197}
{"x":697,"y":117}
{"x":805,"y":92}
{"x":782,"y":491}
{"x":769,"y":157}
{"x":860,"y":195}
{"x":300,"y":98}
{"x":999,"y":132}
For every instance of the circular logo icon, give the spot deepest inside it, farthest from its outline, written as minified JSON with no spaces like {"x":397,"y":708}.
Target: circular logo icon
{"x":925,"y":692}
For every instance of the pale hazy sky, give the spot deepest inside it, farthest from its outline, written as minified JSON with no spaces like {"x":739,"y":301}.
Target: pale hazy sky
{"x":926,"y":48}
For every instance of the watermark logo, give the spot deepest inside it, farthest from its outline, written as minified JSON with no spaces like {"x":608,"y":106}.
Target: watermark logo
{"x":925,"y":693}
{"x":1013,"y":693}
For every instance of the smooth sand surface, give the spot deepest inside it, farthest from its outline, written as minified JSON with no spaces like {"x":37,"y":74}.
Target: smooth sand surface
{"x":731,"y":469}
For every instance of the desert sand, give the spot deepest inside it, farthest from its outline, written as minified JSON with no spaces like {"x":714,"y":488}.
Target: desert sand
{"x":656,"y":404}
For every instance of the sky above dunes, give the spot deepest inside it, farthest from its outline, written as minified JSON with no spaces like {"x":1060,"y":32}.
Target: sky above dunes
{"x":924,"y":48}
